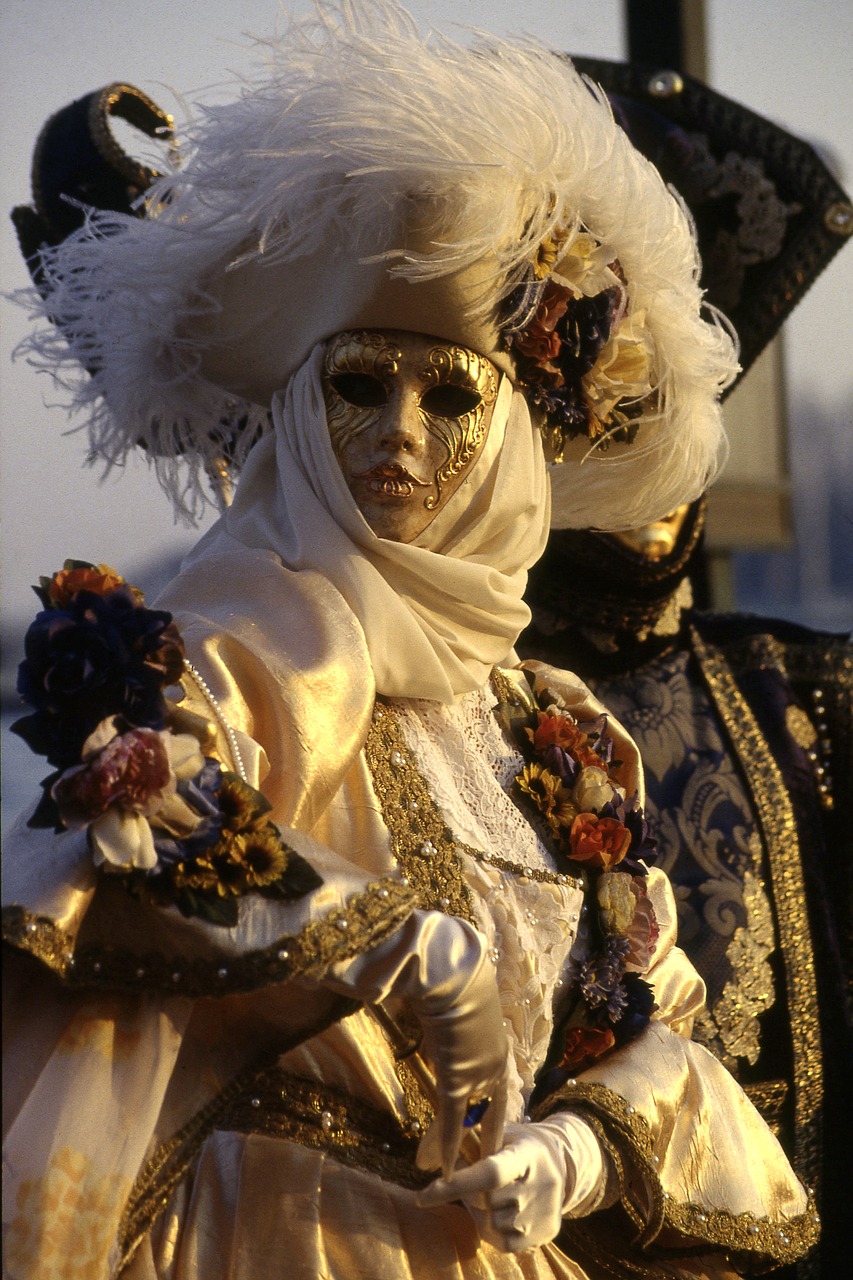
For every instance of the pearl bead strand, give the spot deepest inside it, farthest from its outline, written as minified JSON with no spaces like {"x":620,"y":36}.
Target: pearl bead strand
{"x":220,"y":716}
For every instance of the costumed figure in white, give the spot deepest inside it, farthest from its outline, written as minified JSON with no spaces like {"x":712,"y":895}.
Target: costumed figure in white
{"x":425,"y":299}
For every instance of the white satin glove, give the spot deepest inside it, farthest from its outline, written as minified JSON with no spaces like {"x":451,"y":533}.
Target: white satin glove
{"x":547,"y":1171}
{"x":439,"y":964}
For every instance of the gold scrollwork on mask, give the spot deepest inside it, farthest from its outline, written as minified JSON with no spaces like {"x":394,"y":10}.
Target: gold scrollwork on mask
{"x":461,"y":436}
{"x":355,"y":352}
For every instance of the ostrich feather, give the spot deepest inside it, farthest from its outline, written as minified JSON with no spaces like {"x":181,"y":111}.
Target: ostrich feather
{"x":351,"y":116}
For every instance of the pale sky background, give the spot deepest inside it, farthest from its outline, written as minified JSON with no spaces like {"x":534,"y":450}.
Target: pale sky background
{"x":790,"y":60}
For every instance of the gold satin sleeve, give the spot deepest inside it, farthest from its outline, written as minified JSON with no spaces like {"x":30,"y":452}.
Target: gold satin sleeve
{"x":695,"y":1162}
{"x":92,"y":934}
{"x":305,"y":698}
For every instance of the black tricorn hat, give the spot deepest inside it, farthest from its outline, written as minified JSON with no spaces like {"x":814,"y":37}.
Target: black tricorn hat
{"x":769,"y":214}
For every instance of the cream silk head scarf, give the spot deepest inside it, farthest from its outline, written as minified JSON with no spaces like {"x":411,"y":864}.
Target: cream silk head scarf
{"x":436,"y":616}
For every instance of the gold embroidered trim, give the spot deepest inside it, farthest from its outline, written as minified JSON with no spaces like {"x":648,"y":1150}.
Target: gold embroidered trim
{"x":800,"y":727}
{"x":519,"y":695}
{"x":769,"y":1097}
{"x":731,"y":1028}
{"x":579,"y":1239}
{"x":328,"y":1119}
{"x":776,"y":817}
{"x":403,"y":1035}
{"x":131,"y":104}
{"x":832,"y":663}
{"x":40,"y":937}
{"x":628,"y":1135}
{"x":422,"y":843}
{"x":367,"y":918}
{"x":163,"y":1172}
{"x":418,"y":1106}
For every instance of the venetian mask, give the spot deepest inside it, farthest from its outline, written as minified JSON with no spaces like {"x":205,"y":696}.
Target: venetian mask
{"x":657,"y":540}
{"x":408,"y":417}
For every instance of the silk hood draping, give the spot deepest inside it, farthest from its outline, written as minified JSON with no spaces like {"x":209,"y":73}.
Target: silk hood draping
{"x":437,"y":614}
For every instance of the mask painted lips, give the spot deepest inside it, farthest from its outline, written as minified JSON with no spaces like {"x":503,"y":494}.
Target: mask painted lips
{"x":391,"y":479}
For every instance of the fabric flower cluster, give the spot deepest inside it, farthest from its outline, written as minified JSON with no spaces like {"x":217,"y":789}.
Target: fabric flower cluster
{"x":172,"y":823}
{"x":569,"y":779}
{"x":582,"y":352}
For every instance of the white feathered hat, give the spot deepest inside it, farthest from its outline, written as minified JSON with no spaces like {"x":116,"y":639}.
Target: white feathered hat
{"x":374,"y":177}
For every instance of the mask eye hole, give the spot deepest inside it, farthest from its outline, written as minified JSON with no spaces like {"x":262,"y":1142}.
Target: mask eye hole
{"x":450,"y":401}
{"x":360,"y":389}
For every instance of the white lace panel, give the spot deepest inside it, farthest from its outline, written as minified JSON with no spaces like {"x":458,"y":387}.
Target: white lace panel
{"x":469,"y":766}
{"x":531,"y":925}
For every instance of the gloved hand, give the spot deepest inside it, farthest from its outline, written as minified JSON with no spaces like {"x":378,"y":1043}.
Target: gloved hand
{"x":439,"y":964}
{"x":547,"y":1171}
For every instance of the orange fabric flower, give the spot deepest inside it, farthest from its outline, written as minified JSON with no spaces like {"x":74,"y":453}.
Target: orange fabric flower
{"x":602,"y":842}
{"x":539,"y":341}
{"x":66,"y":583}
{"x":584,"y":1045}
{"x":559,"y":731}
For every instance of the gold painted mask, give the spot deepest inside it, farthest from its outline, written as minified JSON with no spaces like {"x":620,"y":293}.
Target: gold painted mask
{"x":657,"y":540}
{"x":408,"y":417}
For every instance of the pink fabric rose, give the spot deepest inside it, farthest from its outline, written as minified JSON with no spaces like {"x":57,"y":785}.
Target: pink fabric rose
{"x":643,"y":931}
{"x":132,"y":770}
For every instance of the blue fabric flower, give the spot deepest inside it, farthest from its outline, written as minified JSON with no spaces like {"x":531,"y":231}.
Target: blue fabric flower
{"x":561,"y":763}
{"x":201,"y":794}
{"x":600,"y":976}
{"x":101,"y":656}
{"x":638,"y":1007}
